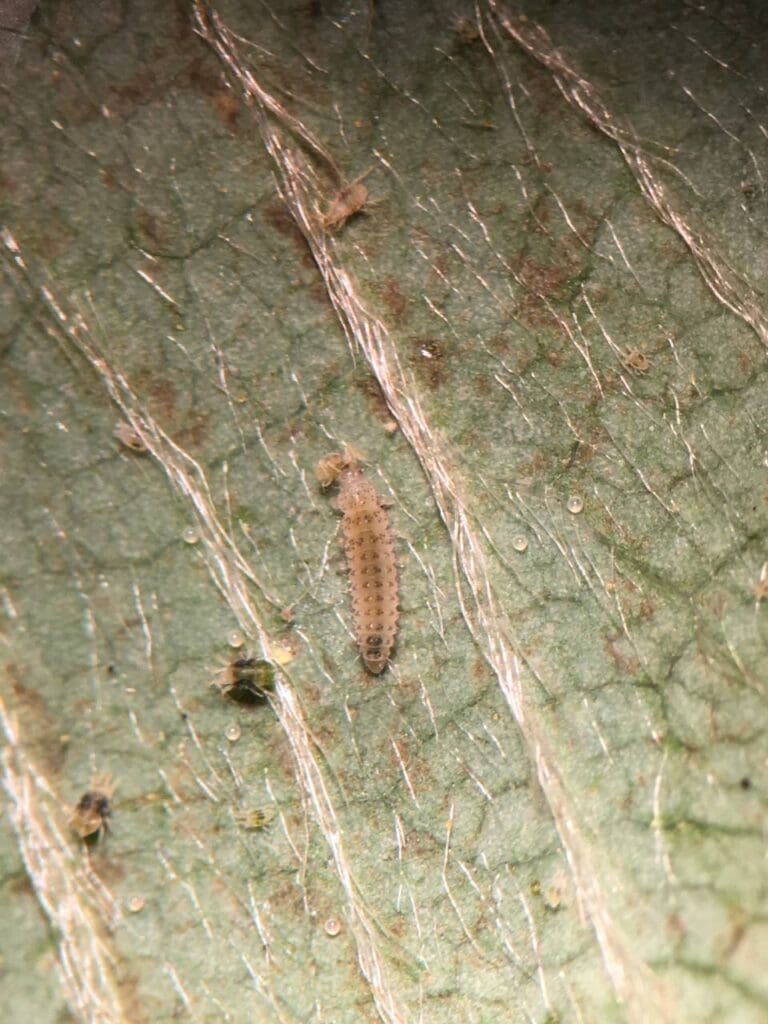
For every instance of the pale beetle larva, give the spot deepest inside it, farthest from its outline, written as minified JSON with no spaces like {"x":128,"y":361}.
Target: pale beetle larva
{"x":370,"y":556}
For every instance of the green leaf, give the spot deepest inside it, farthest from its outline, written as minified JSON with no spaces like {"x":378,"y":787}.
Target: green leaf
{"x":544,"y":328}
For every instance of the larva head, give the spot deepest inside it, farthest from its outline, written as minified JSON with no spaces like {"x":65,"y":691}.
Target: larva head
{"x":329,"y":469}
{"x":375,"y":665}
{"x":375,"y":652}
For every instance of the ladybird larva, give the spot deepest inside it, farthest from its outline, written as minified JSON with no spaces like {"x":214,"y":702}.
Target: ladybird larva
{"x":370,"y":556}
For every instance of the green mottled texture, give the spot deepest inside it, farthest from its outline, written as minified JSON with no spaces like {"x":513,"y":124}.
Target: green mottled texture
{"x":641,"y":641}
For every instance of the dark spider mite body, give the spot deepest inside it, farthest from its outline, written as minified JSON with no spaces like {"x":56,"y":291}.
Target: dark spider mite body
{"x":247,"y":680}
{"x":91,"y":815}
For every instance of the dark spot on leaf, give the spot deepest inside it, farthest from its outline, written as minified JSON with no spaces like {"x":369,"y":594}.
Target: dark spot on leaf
{"x":393,"y":298}
{"x":276,"y":214}
{"x":429,"y":357}
{"x":375,"y":396}
{"x":150,"y":226}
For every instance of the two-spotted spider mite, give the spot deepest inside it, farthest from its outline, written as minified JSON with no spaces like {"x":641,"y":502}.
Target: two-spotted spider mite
{"x":90,"y":817}
{"x":246,"y":680}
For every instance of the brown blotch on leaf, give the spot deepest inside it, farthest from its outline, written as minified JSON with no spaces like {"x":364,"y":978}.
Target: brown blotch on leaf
{"x":377,"y":403}
{"x":278,"y":216}
{"x":429,"y":359}
{"x":395,"y":301}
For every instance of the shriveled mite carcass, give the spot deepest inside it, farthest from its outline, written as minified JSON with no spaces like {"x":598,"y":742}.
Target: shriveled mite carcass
{"x":247,"y":680}
{"x":129,"y":438}
{"x":94,"y":808}
{"x":370,"y":556}
{"x":351,"y":199}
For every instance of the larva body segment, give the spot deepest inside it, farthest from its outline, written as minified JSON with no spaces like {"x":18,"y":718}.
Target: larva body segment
{"x":370,"y":557}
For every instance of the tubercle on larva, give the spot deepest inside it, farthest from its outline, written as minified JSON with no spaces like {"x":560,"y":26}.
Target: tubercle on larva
{"x":370,"y":555}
